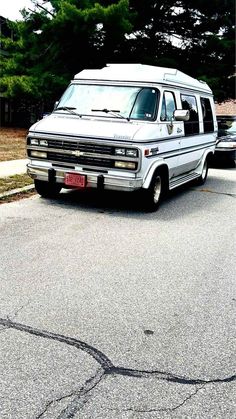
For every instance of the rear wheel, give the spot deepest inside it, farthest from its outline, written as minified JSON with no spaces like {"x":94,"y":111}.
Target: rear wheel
{"x":154,"y":194}
{"x":46,"y":189}
{"x":202,"y":179}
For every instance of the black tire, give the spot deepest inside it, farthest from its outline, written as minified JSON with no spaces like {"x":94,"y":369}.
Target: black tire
{"x":154,"y":194}
{"x":46,"y":189}
{"x":202,"y":179}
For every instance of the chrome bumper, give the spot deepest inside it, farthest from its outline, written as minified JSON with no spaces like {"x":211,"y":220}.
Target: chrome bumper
{"x":94,"y":179}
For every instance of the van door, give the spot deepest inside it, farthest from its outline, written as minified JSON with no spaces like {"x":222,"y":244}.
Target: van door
{"x":192,"y":143}
{"x":171,"y":132}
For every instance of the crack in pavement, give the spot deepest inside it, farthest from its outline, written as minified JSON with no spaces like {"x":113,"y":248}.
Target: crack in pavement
{"x":185,"y":400}
{"x":162,"y":409}
{"x":108,"y":368}
{"x":232,"y":195}
{"x":91,"y":383}
{"x":49,"y":403}
{"x":82,"y":397}
{"x":105,"y":362}
{"x":166,"y":376}
{"x":16,"y":312}
{"x":101,"y":358}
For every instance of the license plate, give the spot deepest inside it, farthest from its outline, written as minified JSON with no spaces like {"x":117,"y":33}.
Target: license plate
{"x":73,"y":179}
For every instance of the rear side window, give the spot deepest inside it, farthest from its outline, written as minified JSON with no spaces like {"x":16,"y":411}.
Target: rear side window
{"x":192,"y":125}
{"x":207,"y":115}
{"x":168,"y":106}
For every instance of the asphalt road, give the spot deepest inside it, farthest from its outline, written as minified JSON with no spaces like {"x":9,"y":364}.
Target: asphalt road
{"x":110,"y":312}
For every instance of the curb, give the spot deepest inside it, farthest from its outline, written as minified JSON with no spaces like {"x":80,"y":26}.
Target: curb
{"x":16,"y":191}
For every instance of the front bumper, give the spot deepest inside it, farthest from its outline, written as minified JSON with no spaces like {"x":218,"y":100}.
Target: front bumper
{"x":225,"y":152}
{"x":94,"y":179}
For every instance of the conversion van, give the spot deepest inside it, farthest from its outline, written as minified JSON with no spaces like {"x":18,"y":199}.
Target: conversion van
{"x":125,"y":127}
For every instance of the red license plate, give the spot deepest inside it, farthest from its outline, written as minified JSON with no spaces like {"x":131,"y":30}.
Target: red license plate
{"x":73,"y":179}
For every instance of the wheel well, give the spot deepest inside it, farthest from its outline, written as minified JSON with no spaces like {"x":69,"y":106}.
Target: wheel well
{"x":209,"y":156}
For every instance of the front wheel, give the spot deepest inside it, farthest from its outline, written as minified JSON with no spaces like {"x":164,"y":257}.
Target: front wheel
{"x":46,"y":189}
{"x":153,"y":195}
{"x":202,"y":179}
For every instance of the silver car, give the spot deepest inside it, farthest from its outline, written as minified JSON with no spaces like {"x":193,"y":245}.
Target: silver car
{"x":226,"y":141}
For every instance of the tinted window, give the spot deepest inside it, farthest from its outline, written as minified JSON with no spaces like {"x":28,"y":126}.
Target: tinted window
{"x":226,"y":126}
{"x":192,"y":125}
{"x":168,"y":106}
{"x":207,"y":115}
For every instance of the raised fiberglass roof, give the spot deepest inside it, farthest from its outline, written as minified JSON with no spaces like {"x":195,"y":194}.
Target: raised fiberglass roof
{"x":143,"y":73}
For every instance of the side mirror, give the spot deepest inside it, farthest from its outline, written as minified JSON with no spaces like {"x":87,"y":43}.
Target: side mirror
{"x":181,"y":115}
{"x":55,"y":105}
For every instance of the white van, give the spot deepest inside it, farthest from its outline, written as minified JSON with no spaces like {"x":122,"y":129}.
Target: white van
{"x":125,"y":127}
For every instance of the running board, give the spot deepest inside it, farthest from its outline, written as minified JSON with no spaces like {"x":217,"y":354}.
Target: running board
{"x":181,"y":180}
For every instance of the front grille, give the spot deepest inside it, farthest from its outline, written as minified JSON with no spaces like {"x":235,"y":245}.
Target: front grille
{"x":89,"y":154}
{"x":81,"y":160}
{"x":86,"y":147}
{"x":67,"y":158}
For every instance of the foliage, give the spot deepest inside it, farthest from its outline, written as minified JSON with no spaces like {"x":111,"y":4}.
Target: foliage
{"x":50,"y":47}
{"x":194,"y":36}
{"x":59,"y":38}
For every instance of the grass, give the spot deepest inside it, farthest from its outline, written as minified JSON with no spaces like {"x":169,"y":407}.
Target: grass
{"x":14,"y":182}
{"x":13,"y":147}
{"x":12,"y":143}
{"x":16,"y":197}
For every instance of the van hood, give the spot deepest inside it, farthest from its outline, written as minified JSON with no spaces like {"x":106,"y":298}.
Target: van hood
{"x":69,"y":125}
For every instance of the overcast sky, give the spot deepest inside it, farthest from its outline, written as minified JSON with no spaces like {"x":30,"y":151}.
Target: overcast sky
{"x":11,"y":8}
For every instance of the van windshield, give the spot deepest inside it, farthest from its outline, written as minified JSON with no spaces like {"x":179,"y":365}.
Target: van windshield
{"x":110,"y":101}
{"x":226,"y":126}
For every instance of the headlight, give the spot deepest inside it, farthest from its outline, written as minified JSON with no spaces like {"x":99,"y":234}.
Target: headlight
{"x":40,"y":154}
{"x":226,"y":144}
{"x":34,"y":141}
{"x":131,"y":152}
{"x":120,"y":151}
{"x":43,"y":142}
{"x":125,"y":165}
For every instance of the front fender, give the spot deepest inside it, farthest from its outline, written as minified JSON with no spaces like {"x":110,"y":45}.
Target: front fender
{"x":151,"y":170}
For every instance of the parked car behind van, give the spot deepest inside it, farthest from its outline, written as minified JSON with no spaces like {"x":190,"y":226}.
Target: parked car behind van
{"x":125,"y":127}
{"x":226,"y":139}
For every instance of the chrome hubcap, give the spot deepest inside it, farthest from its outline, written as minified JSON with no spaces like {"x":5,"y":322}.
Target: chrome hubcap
{"x":157,"y":189}
{"x":204,"y":170}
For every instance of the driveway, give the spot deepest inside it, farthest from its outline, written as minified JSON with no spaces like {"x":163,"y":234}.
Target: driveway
{"x":110,"y":312}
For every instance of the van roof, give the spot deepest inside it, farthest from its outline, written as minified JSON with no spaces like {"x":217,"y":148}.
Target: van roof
{"x":143,"y":73}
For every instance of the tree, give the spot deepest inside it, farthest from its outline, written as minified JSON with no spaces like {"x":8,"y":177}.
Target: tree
{"x":194,"y":36}
{"x":58,"y":38}
{"x":50,"y":46}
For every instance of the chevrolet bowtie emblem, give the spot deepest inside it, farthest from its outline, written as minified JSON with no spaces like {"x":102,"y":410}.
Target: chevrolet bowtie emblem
{"x":77,"y":153}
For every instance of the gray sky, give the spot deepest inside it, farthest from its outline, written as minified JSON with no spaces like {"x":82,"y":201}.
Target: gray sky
{"x":10,"y":8}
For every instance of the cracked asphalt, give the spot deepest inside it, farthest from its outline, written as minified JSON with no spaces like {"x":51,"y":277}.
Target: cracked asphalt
{"x":109,"y":312}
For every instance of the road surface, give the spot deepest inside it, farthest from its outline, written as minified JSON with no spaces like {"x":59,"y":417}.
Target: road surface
{"x":110,"y":312}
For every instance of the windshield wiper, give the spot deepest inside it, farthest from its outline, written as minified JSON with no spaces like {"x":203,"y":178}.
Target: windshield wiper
{"x":112,"y":111}
{"x":68,"y":109}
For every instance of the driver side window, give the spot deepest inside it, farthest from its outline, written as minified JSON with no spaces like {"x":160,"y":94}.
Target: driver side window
{"x":145,"y":105}
{"x":168,"y":106}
